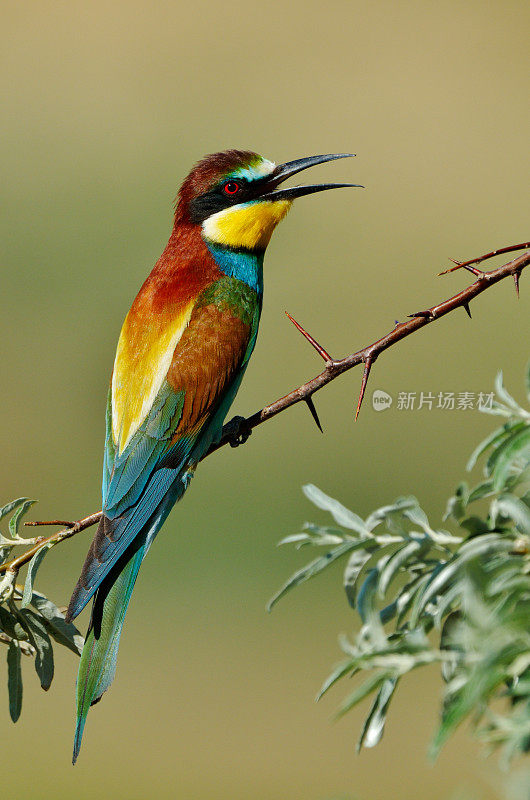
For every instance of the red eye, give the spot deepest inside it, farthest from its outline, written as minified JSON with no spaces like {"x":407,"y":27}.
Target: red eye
{"x":232,"y":187}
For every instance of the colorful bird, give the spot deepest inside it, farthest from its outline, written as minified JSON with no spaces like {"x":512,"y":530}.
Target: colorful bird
{"x":182,"y":353}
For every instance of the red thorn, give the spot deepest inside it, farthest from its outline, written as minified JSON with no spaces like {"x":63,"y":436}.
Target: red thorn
{"x":474,"y":270}
{"x":367,"y":367}
{"x":313,"y":342}
{"x":423,"y":314}
{"x":452,"y":269}
{"x":311,"y":407}
{"x":516,"y":281}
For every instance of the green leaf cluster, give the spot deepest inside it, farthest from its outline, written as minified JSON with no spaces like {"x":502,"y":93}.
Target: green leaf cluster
{"x":424,"y":594}
{"x":29,"y":621}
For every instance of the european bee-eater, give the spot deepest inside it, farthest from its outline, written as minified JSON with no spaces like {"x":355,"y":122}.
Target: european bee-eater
{"x":182,"y":352}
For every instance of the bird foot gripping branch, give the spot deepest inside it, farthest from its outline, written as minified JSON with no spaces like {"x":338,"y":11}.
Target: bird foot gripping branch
{"x":237,"y":431}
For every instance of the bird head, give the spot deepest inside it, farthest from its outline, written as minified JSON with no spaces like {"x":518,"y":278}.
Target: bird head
{"x":235,"y":196}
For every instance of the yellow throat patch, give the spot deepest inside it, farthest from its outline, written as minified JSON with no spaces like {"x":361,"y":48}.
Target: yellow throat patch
{"x":250,"y":225}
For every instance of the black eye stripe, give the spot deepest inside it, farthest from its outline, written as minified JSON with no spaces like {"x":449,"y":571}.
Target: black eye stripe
{"x":218,"y":198}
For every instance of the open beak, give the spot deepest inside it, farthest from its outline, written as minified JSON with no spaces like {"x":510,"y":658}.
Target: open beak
{"x":284,"y":171}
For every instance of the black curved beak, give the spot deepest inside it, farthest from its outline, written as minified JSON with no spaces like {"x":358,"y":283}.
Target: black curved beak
{"x":284,"y":171}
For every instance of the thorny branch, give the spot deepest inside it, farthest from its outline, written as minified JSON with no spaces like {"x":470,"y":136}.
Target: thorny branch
{"x":15,"y":564}
{"x":334,"y":367}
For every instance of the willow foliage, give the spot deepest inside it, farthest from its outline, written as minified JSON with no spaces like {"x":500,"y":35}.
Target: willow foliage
{"x":425,"y":594}
{"x":29,"y":621}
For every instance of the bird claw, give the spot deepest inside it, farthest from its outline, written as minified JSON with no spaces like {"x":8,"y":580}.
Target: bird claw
{"x":237,"y":431}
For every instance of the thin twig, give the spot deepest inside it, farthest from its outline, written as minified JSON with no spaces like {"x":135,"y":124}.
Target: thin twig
{"x":334,"y":368}
{"x":501,"y":251}
{"x":64,"y":522}
{"x":82,"y":524}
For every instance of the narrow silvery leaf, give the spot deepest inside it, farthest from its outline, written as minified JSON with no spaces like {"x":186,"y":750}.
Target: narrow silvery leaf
{"x":416,"y":606}
{"x":406,"y":598}
{"x":484,"y":489}
{"x":498,"y":450}
{"x":14,"y":522}
{"x":7,"y":585}
{"x":505,"y":580}
{"x":445,"y":601}
{"x":418,"y":517}
{"x":381,"y":562}
{"x":366,"y":599}
{"x":447,"y":643}
{"x":339,"y":672}
{"x":383,"y":539}
{"x":9,"y":507}
{"x":388,"y":612}
{"x":312,"y":569}
{"x":374,"y":725}
{"x":368,"y":612}
{"x":63,"y":632}
{"x":20,"y":632}
{"x":517,"y":446}
{"x":41,"y":641}
{"x":33,"y":566}
{"x":316,"y":535}
{"x":391,"y":514}
{"x":14,"y":681}
{"x":444,"y":537}
{"x":322,"y":531}
{"x":366,"y":688}
{"x":456,"y":505}
{"x":293,"y":538}
{"x":342,"y":515}
{"x":395,"y":563}
{"x":504,"y":394}
{"x":7,"y":622}
{"x":494,"y":438}
{"x":511,"y":507}
{"x":358,"y":559}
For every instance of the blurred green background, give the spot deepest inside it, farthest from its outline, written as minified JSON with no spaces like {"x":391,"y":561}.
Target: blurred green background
{"x":105,"y":108}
